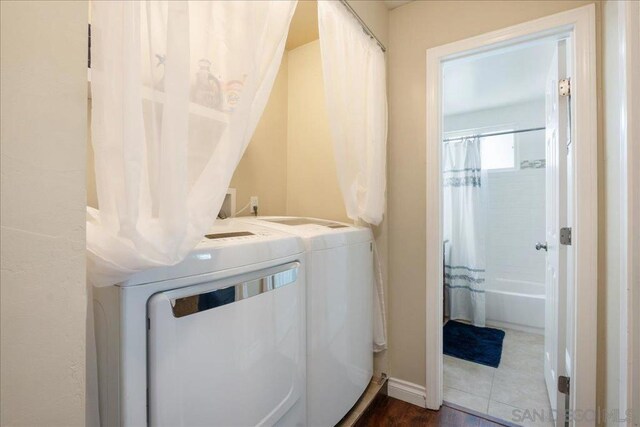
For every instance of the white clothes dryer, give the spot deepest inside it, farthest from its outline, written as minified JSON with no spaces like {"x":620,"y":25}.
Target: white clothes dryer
{"x":217,"y":340}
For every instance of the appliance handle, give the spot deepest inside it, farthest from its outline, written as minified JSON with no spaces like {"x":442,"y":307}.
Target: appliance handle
{"x":266,"y":281}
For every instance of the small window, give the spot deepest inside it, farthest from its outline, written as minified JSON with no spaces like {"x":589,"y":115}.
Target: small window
{"x":498,"y":152}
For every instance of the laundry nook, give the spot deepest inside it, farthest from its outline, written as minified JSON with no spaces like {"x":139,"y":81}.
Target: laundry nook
{"x":319,"y":213}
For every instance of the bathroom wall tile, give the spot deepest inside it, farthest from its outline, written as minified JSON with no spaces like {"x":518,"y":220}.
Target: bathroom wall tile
{"x":468,"y":376}
{"x":466,"y":400}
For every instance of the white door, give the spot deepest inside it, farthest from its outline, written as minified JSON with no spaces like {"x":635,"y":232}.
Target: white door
{"x":229,"y":352}
{"x":557,"y":142}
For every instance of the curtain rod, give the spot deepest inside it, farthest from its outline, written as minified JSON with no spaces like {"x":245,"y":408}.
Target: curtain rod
{"x":484,"y":135}
{"x":365,"y":27}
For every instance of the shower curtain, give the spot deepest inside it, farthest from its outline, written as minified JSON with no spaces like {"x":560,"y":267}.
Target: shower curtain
{"x":355,"y":86}
{"x":464,"y":231}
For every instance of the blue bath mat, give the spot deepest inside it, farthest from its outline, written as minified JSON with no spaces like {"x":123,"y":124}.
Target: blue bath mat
{"x":468,"y":342}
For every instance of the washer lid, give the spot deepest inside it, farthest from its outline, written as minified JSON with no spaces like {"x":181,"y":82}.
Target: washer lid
{"x":317,"y":233}
{"x":229,"y":244}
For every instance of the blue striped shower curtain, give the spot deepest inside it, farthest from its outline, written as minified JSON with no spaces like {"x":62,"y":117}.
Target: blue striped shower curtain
{"x":464,"y":231}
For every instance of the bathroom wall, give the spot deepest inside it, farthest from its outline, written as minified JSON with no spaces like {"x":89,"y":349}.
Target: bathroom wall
{"x":413,"y":28}
{"x":42,"y":279}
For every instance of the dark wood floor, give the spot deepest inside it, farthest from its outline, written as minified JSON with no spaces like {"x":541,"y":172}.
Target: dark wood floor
{"x":387,"y":411}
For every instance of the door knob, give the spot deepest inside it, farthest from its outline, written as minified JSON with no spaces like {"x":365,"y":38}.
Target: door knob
{"x":541,"y":246}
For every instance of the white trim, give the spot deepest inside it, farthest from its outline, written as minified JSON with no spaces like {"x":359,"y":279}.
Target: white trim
{"x":580,"y":23}
{"x":629,"y":66}
{"x":406,"y":391}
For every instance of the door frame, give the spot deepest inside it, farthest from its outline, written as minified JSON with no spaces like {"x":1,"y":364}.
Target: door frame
{"x":627,"y":57}
{"x":580,"y":23}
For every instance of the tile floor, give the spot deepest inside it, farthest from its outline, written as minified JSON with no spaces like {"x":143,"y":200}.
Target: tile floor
{"x":518,"y":383}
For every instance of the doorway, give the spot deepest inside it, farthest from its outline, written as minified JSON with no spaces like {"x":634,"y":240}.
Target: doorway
{"x":523,"y":303}
{"x":499,"y":329}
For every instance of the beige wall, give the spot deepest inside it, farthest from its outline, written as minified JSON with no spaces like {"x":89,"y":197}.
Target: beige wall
{"x":413,"y":28}
{"x":262,"y":171}
{"x":42,"y":284}
{"x":312,"y":184}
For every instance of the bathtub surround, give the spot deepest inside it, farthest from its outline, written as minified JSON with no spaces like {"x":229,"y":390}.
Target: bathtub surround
{"x":42,"y":280}
{"x":515,"y":270}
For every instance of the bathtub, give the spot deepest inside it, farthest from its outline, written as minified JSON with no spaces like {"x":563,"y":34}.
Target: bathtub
{"x":515,"y":304}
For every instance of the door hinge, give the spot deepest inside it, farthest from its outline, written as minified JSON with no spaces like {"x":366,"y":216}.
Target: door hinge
{"x":564,"y":87}
{"x":564,"y":384}
{"x":565,"y":236}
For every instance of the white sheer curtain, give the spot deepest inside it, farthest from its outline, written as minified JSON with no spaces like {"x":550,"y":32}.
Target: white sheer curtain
{"x":353,"y":66}
{"x":464,"y":225}
{"x":178,"y":88}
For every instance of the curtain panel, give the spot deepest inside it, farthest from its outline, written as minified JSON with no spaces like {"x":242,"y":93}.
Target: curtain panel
{"x":177,"y":91}
{"x":353,"y":66}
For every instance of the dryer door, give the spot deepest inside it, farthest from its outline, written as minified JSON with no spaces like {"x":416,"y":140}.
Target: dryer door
{"x":227,"y":353}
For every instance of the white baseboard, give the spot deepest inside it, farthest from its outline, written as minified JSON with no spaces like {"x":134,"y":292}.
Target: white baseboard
{"x":407,"y":392}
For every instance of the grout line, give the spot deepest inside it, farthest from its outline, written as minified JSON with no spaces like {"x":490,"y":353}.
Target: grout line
{"x":468,"y":392}
{"x":493,"y":380}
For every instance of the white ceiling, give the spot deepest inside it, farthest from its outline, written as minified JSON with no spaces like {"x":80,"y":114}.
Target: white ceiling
{"x":498,"y":78}
{"x":392,"y":4}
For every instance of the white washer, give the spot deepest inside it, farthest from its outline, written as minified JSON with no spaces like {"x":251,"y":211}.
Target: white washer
{"x":339,"y":312}
{"x":217,"y":340}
